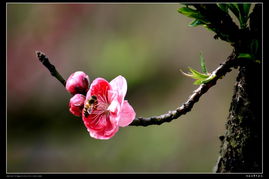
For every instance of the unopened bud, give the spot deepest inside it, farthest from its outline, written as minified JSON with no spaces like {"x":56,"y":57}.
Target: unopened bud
{"x":76,"y":104}
{"x":78,"y":83}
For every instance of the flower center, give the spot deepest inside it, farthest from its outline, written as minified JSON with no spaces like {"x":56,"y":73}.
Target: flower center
{"x":102,"y":105}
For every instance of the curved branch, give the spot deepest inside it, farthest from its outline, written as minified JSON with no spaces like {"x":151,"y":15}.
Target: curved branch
{"x":224,"y":68}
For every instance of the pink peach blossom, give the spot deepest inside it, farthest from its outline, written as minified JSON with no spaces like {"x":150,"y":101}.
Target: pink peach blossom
{"x":110,"y":111}
{"x":76,"y":104}
{"x":78,"y":82}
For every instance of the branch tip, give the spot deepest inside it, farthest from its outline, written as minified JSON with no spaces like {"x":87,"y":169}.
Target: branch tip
{"x":45,"y":61}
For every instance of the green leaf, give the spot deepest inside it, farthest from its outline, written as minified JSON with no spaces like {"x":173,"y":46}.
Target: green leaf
{"x":234,"y":8}
{"x":202,"y":61}
{"x":199,"y":77}
{"x":186,"y":74}
{"x":208,"y":79}
{"x":241,"y":11}
{"x":186,"y":10}
{"x":198,"y":82}
{"x":223,"y":7}
{"x":244,"y":14}
{"x":197,"y":74}
{"x":210,"y":28}
{"x":248,"y":56}
{"x":195,"y":23}
{"x":254,"y":46}
{"x":246,"y":8}
{"x":244,"y":55}
{"x":190,"y":12}
{"x":257,"y":61}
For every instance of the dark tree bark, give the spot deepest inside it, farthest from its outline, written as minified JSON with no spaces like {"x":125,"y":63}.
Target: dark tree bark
{"x":241,"y":148}
{"x":241,"y":145}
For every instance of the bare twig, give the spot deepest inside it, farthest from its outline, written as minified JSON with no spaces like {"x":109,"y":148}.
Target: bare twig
{"x":45,"y":61}
{"x":232,"y":61}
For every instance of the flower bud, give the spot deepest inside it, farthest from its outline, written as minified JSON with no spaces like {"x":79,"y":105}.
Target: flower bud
{"x":76,"y":104}
{"x":78,"y":82}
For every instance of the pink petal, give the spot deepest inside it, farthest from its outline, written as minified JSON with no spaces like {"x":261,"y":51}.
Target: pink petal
{"x":119,"y":85}
{"x":100,"y":135}
{"x":99,"y":87}
{"x":127,"y":114}
{"x":104,"y":127}
{"x":114,"y":107}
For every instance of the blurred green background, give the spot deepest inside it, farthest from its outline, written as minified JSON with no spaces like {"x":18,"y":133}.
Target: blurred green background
{"x":145,"y":43}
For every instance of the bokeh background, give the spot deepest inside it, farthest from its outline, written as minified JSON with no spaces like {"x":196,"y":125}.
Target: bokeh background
{"x":145,"y":43}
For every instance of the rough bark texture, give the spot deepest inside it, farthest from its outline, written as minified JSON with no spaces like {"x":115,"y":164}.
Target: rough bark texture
{"x":241,"y":147}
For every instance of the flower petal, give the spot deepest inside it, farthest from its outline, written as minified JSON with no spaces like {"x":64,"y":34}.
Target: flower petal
{"x":104,"y":128}
{"x":119,"y":85}
{"x":100,"y":135}
{"x":99,"y":87}
{"x":114,"y":107}
{"x":127,"y":114}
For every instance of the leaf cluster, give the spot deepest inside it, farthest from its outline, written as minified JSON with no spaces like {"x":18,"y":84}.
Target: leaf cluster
{"x":245,"y":38}
{"x":200,"y":78}
{"x":241,"y":11}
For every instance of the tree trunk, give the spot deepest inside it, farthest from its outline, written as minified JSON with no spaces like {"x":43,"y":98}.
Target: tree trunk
{"x":241,"y":146}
